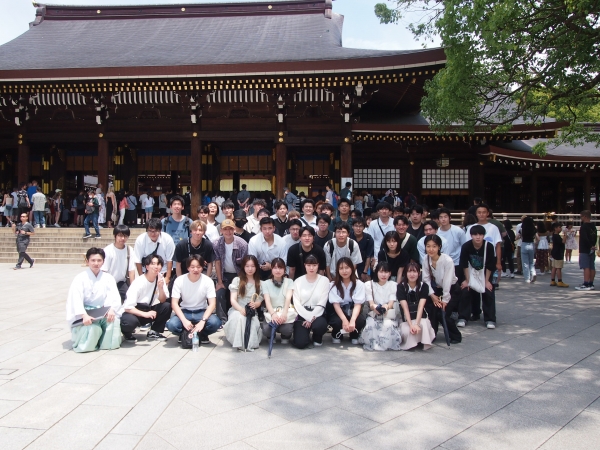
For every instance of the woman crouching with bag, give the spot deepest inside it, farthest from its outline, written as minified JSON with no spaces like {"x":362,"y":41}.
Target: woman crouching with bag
{"x":381,"y":331}
{"x":278,"y":292}
{"x":347,"y":295}
{"x":412,"y":295}
{"x":444,"y":293}
{"x":310,"y":300}
{"x":246,"y":297}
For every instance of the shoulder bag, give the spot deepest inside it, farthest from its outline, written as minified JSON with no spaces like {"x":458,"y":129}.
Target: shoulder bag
{"x":477,"y":277}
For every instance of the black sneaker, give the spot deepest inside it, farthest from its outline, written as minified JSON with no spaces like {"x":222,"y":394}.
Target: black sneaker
{"x":155,"y":336}
{"x":204,"y":340}
{"x":179,"y":338}
{"x":86,"y":236}
{"x":31,"y":265}
{"x":16,"y":267}
{"x":129,"y":337}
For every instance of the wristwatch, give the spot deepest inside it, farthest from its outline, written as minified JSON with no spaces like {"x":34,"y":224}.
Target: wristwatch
{"x":203,"y":320}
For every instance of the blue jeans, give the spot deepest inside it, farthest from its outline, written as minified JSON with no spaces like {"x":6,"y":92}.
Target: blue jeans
{"x":86,"y":223}
{"x":39,"y":217}
{"x":527,"y":260}
{"x":211,"y":326}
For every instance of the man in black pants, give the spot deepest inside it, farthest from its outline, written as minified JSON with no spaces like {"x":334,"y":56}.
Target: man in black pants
{"x":147,"y":302}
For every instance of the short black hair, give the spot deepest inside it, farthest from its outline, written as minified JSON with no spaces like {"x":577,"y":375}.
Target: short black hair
{"x":310,"y":201}
{"x":477,"y":229}
{"x":154,"y":224}
{"x":95,"y":251}
{"x":194,"y":257}
{"x":202,"y":209}
{"x":147,"y":260}
{"x":343,"y":226}
{"x":228,"y":204}
{"x":402,"y":219}
{"x":279,"y":204}
{"x":399,"y":209}
{"x":433,"y":224}
{"x":344,"y":200}
{"x":310,"y":229}
{"x":483,"y":205}
{"x":327,"y":206}
{"x":263,"y":211}
{"x":121,"y":229}
{"x":417,"y":208}
{"x":356,"y":213}
{"x":360,"y":221}
{"x":445,"y":211}
{"x":384,"y":205}
{"x":176,"y":198}
{"x":266,"y":221}
{"x":324,"y":217}
{"x":295,"y":222}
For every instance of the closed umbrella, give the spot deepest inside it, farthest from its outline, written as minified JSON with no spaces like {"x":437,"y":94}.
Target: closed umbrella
{"x":446,"y":333}
{"x":273,"y":326}
{"x":250,"y":313}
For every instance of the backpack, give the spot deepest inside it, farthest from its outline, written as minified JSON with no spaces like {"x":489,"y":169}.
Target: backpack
{"x":22,"y":203}
{"x":350,"y":245}
{"x":334,"y":199}
{"x":186,"y":226}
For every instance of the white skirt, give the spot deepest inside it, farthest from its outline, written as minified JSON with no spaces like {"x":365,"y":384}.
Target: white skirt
{"x":236,"y":327}
{"x":380,"y":335}
{"x":425,"y":336}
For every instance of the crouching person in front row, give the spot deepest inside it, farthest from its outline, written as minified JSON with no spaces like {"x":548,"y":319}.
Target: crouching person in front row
{"x":194,"y":301}
{"x":146,"y":302}
{"x":91,"y":290}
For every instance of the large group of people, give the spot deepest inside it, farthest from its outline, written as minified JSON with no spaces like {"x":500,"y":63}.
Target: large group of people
{"x":387,"y":282}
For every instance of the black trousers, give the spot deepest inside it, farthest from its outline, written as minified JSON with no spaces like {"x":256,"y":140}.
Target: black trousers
{"x":507,"y":258}
{"x":336,"y":325}
{"x":486,"y":300}
{"x":24,"y":256}
{"x":302,"y":335}
{"x":122,"y":286}
{"x":130,"y":322}
{"x":435,"y":314}
{"x":224,"y":297}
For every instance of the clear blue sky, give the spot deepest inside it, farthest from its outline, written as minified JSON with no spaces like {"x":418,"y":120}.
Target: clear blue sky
{"x":361,"y":28}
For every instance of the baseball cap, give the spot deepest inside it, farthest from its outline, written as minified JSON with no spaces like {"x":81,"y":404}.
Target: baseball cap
{"x":227,"y":223}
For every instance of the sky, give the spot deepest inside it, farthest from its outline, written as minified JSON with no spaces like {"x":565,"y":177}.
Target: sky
{"x":361,"y":28}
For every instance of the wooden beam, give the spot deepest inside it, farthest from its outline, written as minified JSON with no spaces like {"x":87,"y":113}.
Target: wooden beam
{"x":103,"y":162}
{"x":346,"y":161}
{"x":196,"y":170}
{"x":280,"y":169}
{"x":24,"y":170}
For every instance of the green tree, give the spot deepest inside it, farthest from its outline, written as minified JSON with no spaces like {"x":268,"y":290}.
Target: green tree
{"x":508,"y":61}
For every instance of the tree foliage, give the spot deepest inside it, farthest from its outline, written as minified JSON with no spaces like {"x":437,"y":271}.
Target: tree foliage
{"x":510,"y":61}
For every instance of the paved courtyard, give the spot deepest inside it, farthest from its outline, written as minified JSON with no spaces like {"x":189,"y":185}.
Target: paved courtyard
{"x":531,"y":383}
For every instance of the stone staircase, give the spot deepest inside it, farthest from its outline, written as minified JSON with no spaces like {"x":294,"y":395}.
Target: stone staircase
{"x":57,"y":245}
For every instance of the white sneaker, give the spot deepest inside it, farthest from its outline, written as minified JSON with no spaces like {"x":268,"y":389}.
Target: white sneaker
{"x":512,"y":275}
{"x":57,"y":225}
{"x":490,"y":325}
{"x":335,"y":341}
{"x":285,"y":341}
{"x":36,"y":226}
{"x":354,"y":341}
{"x":316,"y":344}
{"x":461,"y":323}
{"x":44,"y":226}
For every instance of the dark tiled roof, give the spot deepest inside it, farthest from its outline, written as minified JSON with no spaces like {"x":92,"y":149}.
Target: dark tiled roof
{"x":588,"y":150}
{"x":181,"y":41}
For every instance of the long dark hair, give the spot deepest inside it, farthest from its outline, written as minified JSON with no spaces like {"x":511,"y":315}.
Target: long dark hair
{"x":412,"y":266}
{"x":338,"y":283}
{"x":391,"y":236}
{"x":244,"y":277}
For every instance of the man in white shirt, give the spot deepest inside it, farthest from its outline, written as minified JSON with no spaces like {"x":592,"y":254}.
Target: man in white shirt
{"x":154,"y":241}
{"x":339,"y":247}
{"x":119,"y":260}
{"x":308,"y":208}
{"x":492,"y":233}
{"x":294,"y":234}
{"x":39,"y":208}
{"x":146,"y":302}
{"x":455,"y":238}
{"x":267,"y":246}
{"x":89,"y":290}
{"x":194,"y":302}
{"x":380,"y":227}
{"x":430,"y":227}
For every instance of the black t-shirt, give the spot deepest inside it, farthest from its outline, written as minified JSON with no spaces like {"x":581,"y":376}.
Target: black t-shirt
{"x":558,"y":247}
{"x":367,"y":249}
{"x":396,"y":262}
{"x":184,"y":249}
{"x":296,"y":260}
{"x":281,"y":227}
{"x":417,"y":233}
{"x":468,"y":254}
{"x":245,"y":235}
{"x":322,"y":241}
{"x":402,"y":291}
{"x":588,"y":236}
{"x":80,"y":202}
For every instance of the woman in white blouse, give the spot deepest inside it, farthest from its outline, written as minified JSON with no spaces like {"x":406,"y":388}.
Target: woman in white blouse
{"x":277,"y":292}
{"x":381,"y":332}
{"x":310,"y":299}
{"x":444,"y":293}
{"x":347,"y":296}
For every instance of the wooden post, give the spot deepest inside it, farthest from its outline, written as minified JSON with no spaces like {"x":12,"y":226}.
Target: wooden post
{"x":103,"y":160}
{"x":587,"y":190}
{"x":534,"y":188}
{"x":280,"y":169}
{"x":196,"y":169}
{"x":346,"y":161}
{"x":24,"y":171}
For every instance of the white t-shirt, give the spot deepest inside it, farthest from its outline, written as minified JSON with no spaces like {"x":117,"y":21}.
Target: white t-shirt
{"x":193,"y":295}
{"x":211,"y":232}
{"x":228,"y":263}
{"x":140,"y":291}
{"x":340,"y":252}
{"x":148,"y":202}
{"x":145,"y":246}
{"x":115,"y":261}
{"x":492,"y":234}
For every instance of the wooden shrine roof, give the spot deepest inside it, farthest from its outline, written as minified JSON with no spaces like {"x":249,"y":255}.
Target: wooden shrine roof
{"x":259,"y":38}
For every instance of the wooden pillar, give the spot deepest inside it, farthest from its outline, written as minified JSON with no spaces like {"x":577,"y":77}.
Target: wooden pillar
{"x":280,"y":169}
{"x":587,"y":190}
{"x":534,"y":189}
{"x":24,"y":170}
{"x":103,"y":160}
{"x":196,"y":169}
{"x":346,"y":161}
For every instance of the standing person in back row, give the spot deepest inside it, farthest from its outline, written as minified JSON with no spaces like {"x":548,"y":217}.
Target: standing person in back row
{"x":92,"y":206}
{"x":243,"y":198}
{"x":23,"y":231}
{"x":588,"y":239}
{"x":346,"y":193}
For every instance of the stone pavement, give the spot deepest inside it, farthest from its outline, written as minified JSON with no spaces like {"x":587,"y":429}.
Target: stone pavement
{"x":531,"y":383}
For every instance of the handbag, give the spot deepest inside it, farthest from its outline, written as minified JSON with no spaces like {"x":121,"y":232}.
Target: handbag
{"x":390,"y":313}
{"x":113,"y":217}
{"x":477,"y":277}
{"x":186,"y":338}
